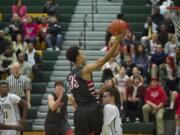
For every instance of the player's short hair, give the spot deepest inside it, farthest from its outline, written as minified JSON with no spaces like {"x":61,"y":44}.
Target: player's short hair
{"x":72,"y":53}
{"x":113,"y":91}
{"x":59,"y":82}
{"x":4,"y":82}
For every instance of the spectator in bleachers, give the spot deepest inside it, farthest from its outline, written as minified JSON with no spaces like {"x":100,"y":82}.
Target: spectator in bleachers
{"x":157,"y":17}
{"x":163,"y":35}
{"x":167,"y":74}
{"x":136,"y":72}
{"x":15,"y":27}
{"x":42,"y":27}
{"x":154,"y":5}
{"x":51,"y":8}
{"x":149,"y":28}
{"x":141,"y":60}
{"x":164,"y":5}
{"x":35,"y":60}
{"x":121,"y":80}
{"x":157,"y":59}
{"x":19,"y":9}
{"x":152,"y":44}
{"x":19,"y":45}
{"x":135,"y":93}
{"x":54,"y":37}
{"x":155,"y":100}
{"x":30,"y":29}
{"x":6,"y":61}
{"x":175,"y":103}
{"x":170,"y":47}
{"x":115,"y":28}
{"x":3,"y":42}
{"x":129,"y":65}
{"x":26,"y":68}
{"x":110,"y":69}
{"x":169,"y":23}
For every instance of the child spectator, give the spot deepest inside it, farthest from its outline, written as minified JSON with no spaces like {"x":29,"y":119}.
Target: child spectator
{"x":136,"y":72}
{"x":19,"y":9}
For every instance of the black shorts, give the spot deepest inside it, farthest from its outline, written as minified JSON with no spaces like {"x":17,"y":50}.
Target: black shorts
{"x":58,"y":128}
{"x":88,"y":119}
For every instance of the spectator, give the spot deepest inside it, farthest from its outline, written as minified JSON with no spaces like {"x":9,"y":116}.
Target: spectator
{"x":136,"y":72}
{"x":9,"y":105}
{"x":42,"y":27}
{"x":170,"y":47}
{"x":19,"y":84}
{"x":19,"y":9}
{"x":169,"y":23}
{"x":165,"y":4}
{"x":155,"y":100}
{"x":157,"y":17}
{"x":152,"y":44}
{"x":110,"y":69}
{"x":15,"y":27}
{"x":35,"y":60}
{"x":111,"y":121}
{"x":26,"y":68}
{"x":149,"y":28}
{"x":51,"y":8}
{"x":175,"y":103}
{"x":163,"y":35}
{"x":121,"y":80}
{"x":167,"y":74}
{"x":30,"y":29}
{"x":134,"y":99}
{"x":6,"y":61}
{"x":141,"y":60}
{"x":129,"y":65}
{"x":3,"y":42}
{"x":157,"y":59}
{"x":54,"y":38}
{"x":19,"y":45}
{"x":115,"y":28}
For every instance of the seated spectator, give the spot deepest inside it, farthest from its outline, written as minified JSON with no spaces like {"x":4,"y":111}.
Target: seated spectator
{"x":134,"y":99}
{"x":170,"y":47}
{"x":34,"y":59}
{"x":149,"y":28}
{"x":110,"y":69}
{"x":19,"y":45}
{"x":157,"y":59}
{"x":30,"y":29}
{"x":136,"y":72}
{"x":155,"y":100}
{"x":19,"y":9}
{"x":54,"y":37}
{"x":26,"y":68}
{"x":141,"y":60}
{"x":115,"y":28}
{"x":129,"y":65}
{"x":6,"y":61}
{"x":3,"y":42}
{"x":165,"y":4}
{"x":15,"y":27}
{"x":42,"y":27}
{"x":167,"y":75}
{"x":163,"y":35}
{"x":175,"y":103}
{"x":121,"y":80}
{"x":157,"y":17}
{"x":169,"y":23}
{"x":51,"y":8}
{"x":152,"y":44}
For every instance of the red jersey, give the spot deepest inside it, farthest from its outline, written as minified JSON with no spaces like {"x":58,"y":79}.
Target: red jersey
{"x":156,"y":95}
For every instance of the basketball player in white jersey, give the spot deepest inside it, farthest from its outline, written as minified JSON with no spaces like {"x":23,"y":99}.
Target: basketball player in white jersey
{"x":10,"y":120}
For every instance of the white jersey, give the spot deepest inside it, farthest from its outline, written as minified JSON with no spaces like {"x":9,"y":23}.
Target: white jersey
{"x":9,"y":112}
{"x":111,"y":121}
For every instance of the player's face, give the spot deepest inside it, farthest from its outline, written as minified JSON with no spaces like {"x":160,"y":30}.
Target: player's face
{"x":106,"y":98}
{"x":59,"y":90}
{"x":3,"y":90}
{"x":82,"y":58}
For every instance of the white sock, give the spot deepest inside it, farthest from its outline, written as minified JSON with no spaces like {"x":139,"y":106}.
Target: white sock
{"x":177,"y":130}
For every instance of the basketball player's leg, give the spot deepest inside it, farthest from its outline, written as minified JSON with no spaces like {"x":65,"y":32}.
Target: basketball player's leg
{"x":65,"y":128}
